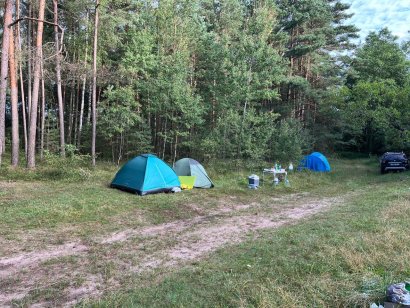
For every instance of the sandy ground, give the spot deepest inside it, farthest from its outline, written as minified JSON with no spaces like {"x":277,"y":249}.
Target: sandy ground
{"x":77,"y":271}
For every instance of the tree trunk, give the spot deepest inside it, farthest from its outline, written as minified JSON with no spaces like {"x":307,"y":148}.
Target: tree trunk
{"x":14,"y":105}
{"x":90,"y":97}
{"x":80,"y":124}
{"x":76,"y":113}
{"x":29,"y":60}
{"x":244,"y":112}
{"x":121,"y":149}
{"x":31,"y":155}
{"x":23,"y":108}
{"x":43,"y":111}
{"x":48,"y":133}
{"x":58,"y":75}
{"x":94,"y":102}
{"x":175,"y":149}
{"x":71,"y":114}
{"x":23,"y":98}
{"x":8,"y":10}
{"x":165,"y":138}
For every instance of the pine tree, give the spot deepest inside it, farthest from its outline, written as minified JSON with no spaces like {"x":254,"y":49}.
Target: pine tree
{"x":8,"y":9}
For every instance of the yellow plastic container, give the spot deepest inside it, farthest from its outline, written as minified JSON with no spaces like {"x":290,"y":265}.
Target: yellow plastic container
{"x":187,"y":182}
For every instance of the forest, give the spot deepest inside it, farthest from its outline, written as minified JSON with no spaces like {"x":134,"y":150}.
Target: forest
{"x":224,"y":79}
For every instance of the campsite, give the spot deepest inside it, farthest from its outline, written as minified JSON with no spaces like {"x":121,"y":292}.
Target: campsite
{"x":204,"y":153}
{"x":225,"y":246}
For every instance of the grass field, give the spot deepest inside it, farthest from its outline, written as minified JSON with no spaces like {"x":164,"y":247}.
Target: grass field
{"x":329,"y":240}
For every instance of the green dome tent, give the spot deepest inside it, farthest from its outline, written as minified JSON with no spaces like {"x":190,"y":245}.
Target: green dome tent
{"x":146,"y":174}
{"x":190,"y":167}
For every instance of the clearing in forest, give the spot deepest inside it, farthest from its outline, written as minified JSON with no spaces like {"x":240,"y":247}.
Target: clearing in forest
{"x":143,"y":250}
{"x":66,"y":243}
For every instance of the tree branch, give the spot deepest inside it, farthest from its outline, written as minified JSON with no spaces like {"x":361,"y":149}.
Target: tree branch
{"x":43,"y":21}
{"x":35,"y":19}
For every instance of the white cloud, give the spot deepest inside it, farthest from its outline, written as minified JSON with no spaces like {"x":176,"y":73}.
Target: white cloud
{"x":373,"y":15}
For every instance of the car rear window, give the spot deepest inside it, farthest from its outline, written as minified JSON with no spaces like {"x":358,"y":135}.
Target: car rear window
{"x":395,"y":156}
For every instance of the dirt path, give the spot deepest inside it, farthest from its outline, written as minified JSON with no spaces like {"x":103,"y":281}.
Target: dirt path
{"x":78,"y":270}
{"x":208,"y":238}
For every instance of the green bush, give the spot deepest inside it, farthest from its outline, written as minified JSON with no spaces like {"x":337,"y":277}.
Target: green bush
{"x":289,"y":142}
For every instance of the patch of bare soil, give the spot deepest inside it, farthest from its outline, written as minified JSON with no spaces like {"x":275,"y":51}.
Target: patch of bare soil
{"x":99,"y":266}
{"x":205,"y":239}
{"x":90,"y":289}
{"x":172,"y":227}
{"x":9,"y":266}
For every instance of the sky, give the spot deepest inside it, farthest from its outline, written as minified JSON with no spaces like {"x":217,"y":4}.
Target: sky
{"x":373,"y":15}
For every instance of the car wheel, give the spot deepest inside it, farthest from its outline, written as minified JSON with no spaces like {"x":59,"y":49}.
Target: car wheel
{"x":382,"y":171}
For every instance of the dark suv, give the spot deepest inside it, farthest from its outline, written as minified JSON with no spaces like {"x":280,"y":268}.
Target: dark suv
{"x":393,"y":161}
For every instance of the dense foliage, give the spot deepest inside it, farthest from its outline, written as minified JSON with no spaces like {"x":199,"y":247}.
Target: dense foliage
{"x":377,"y":96}
{"x":259,"y":79}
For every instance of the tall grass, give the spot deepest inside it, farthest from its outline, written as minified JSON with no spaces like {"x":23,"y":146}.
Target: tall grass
{"x":52,"y":168}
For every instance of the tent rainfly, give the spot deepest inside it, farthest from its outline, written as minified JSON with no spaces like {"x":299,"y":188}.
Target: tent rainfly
{"x":146,"y":174}
{"x":190,"y":167}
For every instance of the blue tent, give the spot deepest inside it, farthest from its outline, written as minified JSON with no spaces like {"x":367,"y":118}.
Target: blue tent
{"x":315,"y":162}
{"x":146,"y":174}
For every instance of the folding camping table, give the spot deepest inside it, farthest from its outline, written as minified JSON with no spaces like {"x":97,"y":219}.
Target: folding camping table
{"x":275,"y":172}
